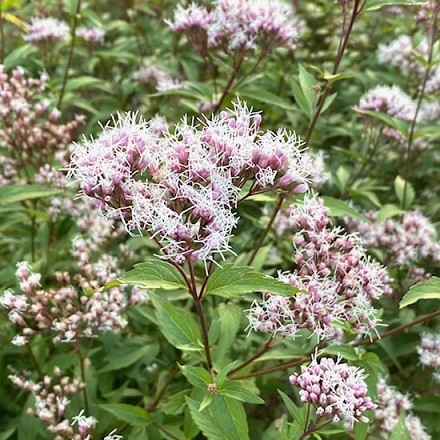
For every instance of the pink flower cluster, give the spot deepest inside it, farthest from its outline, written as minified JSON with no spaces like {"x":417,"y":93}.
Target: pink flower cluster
{"x":52,"y":395}
{"x":400,"y":53}
{"x":182,"y":188}
{"x":238,"y":25}
{"x":337,"y":281}
{"x":429,"y":353}
{"x":46,"y":29}
{"x":391,"y":403}
{"x":30,"y":131}
{"x":335,"y":389}
{"x":93,"y":35}
{"x":390,"y":100}
{"x":162,"y":80}
{"x":411,"y":239}
{"x":65,"y":311}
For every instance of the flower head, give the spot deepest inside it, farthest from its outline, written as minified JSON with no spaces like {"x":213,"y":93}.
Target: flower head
{"x":336,"y":389}
{"x":46,"y":29}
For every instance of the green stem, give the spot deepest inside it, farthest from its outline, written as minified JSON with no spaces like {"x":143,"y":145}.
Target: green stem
{"x":357,"y":8}
{"x":70,"y":56}
{"x":300,"y":361}
{"x":419,"y":104}
{"x":83,"y":379}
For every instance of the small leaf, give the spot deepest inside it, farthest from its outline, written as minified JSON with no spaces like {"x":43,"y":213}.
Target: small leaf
{"x":177,"y":325}
{"x":19,"y":193}
{"x":344,"y":351}
{"x":400,"y":431}
{"x":233,"y":282}
{"x":196,"y":376}
{"x":262,"y":95}
{"x":339,"y":208}
{"x":424,"y":290}
{"x":133,"y":415}
{"x":154,"y":274}
{"x":374,"y":5}
{"x":206,"y":401}
{"x":299,"y":414}
{"x":129,"y":354}
{"x":388,"y":211}
{"x":401,"y":192}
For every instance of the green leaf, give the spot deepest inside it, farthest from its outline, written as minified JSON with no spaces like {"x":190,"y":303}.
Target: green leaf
{"x":299,"y":414}
{"x":196,"y":376}
{"x":223,"y":419}
{"x":398,"y":124}
{"x":154,"y":274}
{"x":129,"y":354}
{"x":424,"y":290}
{"x":233,"y":282}
{"x":374,"y":5}
{"x":400,"y":431}
{"x":177,"y":325}
{"x":399,"y":187}
{"x":339,"y":208}
{"x":87,"y":82}
{"x":344,"y":351}
{"x":307,"y":84}
{"x":19,"y":193}
{"x":133,"y":415}
{"x":387,"y":211}
{"x":262,"y":95}
{"x":230,"y":316}
{"x":300,"y":99}
{"x":240,"y":391}
{"x":206,"y":401}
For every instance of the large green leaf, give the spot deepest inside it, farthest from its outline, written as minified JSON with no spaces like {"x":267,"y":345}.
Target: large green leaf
{"x":233,"y":282}
{"x":240,"y":391}
{"x":425,"y":290}
{"x":133,"y":415}
{"x":177,"y":325}
{"x":223,"y":419}
{"x":344,"y":351}
{"x":154,"y":274}
{"x":19,"y":193}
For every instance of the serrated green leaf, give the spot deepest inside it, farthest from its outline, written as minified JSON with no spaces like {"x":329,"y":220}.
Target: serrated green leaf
{"x":239,"y":390}
{"x":154,"y":274}
{"x":133,"y":415}
{"x":196,"y":376}
{"x":206,"y":401}
{"x":223,"y":419}
{"x":233,"y":282}
{"x":429,"y":289}
{"x":177,"y":325}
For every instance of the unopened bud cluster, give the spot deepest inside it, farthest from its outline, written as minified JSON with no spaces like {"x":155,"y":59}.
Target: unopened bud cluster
{"x":335,"y":389}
